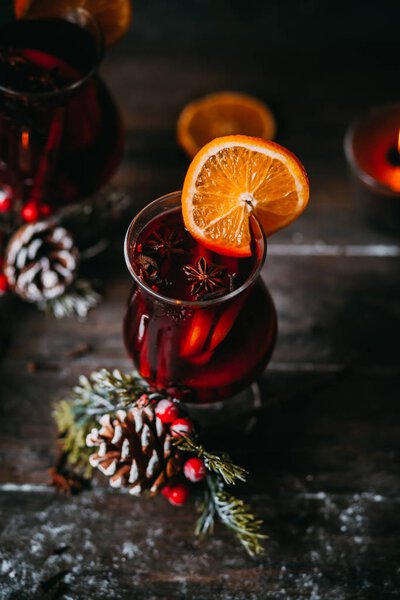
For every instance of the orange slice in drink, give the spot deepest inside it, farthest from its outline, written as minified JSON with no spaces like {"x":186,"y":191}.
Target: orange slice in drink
{"x":20,"y":7}
{"x":113,"y":16}
{"x":224,"y":113}
{"x":233,"y":177}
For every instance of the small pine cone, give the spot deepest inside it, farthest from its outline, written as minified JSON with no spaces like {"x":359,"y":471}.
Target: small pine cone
{"x":41,"y":261}
{"x":135,"y":450}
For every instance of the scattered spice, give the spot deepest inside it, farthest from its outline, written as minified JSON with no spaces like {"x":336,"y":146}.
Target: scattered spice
{"x":65,"y":480}
{"x":80,"y":350}
{"x":33,"y":367}
{"x":148,"y":269}
{"x":166,"y":243}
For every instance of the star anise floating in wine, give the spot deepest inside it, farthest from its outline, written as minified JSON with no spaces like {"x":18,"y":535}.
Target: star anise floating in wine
{"x":205,"y":278}
{"x":148,"y":269}
{"x":165,"y":243}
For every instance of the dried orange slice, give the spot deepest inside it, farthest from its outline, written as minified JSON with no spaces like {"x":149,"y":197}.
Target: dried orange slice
{"x":223,"y":113}
{"x":233,"y":177}
{"x":113,"y":16}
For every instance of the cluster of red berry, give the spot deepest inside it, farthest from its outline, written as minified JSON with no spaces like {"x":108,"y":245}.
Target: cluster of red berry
{"x":31,"y":212}
{"x":194,"y":468}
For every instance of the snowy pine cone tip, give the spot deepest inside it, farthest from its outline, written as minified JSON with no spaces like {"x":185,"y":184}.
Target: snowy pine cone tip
{"x":41,"y":261}
{"x":134,"y":450}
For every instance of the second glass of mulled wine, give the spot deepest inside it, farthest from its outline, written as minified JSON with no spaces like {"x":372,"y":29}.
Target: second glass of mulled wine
{"x":61,"y":136}
{"x":199,"y":324}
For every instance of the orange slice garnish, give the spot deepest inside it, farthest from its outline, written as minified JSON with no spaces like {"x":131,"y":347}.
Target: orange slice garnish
{"x":233,"y":177}
{"x":224,"y":113}
{"x":113,"y":16}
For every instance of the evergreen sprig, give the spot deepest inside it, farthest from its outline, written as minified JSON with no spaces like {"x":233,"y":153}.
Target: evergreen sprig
{"x":104,"y":392}
{"x":107,"y":391}
{"x":221,"y":464}
{"x":77,"y":300}
{"x":206,"y":511}
{"x":233,"y":513}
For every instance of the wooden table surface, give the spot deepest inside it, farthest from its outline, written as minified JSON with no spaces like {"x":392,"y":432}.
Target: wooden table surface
{"x":324,"y":455}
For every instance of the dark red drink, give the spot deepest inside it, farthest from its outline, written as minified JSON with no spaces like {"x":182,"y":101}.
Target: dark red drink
{"x":198,"y":323}
{"x":60,"y":132}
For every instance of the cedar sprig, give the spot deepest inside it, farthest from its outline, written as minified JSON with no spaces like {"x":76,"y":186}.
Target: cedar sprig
{"x":233,"y":513}
{"x":221,"y":464}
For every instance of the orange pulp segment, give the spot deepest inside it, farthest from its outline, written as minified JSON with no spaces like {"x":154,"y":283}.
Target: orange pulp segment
{"x":223,"y":113}
{"x":233,"y":177}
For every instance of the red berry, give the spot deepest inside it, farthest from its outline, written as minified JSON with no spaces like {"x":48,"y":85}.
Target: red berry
{"x":45,"y":210}
{"x":182,"y":426}
{"x":178,"y":494}
{"x":30,"y":212}
{"x":6,"y":195}
{"x":194,"y":469}
{"x":167,"y":411}
{"x":166,"y":491}
{"x":3,"y":284}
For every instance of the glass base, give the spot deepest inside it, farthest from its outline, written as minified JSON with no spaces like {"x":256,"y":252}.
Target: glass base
{"x":237,"y":413}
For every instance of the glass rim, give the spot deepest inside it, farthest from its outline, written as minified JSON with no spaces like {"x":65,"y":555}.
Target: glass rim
{"x":82,"y":80}
{"x":369,"y":180}
{"x":189,"y":303}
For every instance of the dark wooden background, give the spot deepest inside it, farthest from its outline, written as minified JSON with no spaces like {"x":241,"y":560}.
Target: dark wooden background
{"x":324,"y":455}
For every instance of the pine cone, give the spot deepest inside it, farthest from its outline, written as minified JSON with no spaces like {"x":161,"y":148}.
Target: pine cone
{"x":134,"y":450}
{"x":41,"y":261}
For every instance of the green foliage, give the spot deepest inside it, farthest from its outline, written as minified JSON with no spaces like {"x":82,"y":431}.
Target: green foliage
{"x":220,"y":464}
{"x":217,"y":502}
{"x":233,"y":513}
{"x":104,"y":392}
{"x":206,"y":511}
{"x":73,"y":436}
{"x":107,"y":391}
{"x":77,"y":300}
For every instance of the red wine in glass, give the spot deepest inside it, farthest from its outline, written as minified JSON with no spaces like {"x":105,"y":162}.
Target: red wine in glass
{"x":61,"y":136}
{"x":198,"y":324}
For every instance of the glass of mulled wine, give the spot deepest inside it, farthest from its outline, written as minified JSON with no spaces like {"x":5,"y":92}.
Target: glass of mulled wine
{"x":61,"y":136}
{"x":198,"y":324}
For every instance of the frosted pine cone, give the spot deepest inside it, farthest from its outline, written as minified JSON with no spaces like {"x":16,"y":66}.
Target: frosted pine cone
{"x":41,"y":261}
{"x":134,"y":450}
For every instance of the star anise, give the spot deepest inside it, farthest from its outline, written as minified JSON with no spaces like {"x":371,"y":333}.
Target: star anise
{"x":165,"y":243}
{"x":205,"y":278}
{"x":148,"y":269}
